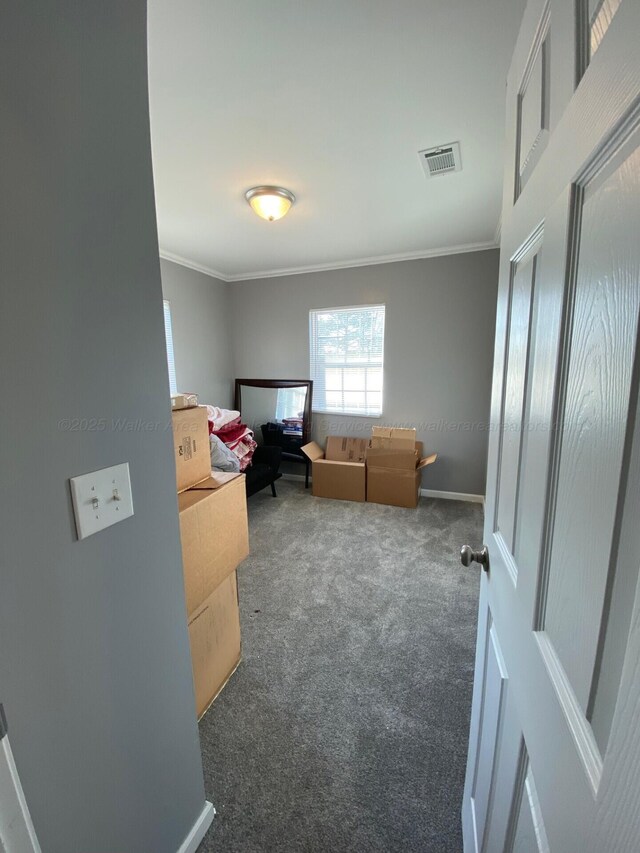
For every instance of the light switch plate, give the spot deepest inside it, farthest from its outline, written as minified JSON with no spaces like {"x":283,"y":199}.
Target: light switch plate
{"x":101,"y":499}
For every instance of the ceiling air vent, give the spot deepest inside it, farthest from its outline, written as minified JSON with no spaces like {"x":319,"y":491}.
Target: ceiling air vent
{"x":441,"y":160}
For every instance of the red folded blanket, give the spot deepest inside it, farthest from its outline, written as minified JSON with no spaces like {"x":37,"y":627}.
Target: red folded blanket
{"x":231,"y":431}
{"x":238,"y":438}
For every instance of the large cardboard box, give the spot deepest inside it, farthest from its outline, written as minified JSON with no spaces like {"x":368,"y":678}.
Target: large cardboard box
{"x":214,"y":534}
{"x":191,"y":446}
{"x":214,"y":635}
{"x":338,"y":472}
{"x":393,"y":487}
{"x":394,"y":467}
{"x":342,"y":448}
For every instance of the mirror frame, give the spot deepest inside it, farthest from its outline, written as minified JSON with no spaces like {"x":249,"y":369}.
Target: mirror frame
{"x":280,"y":383}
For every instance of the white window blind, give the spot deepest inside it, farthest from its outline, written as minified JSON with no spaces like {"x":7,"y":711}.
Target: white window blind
{"x":290,"y":402}
{"x":168,"y":334}
{"x":347,"y":359}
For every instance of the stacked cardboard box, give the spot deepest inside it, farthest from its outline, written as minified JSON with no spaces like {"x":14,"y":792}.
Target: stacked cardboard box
{"x":191,"y":446}
{"x":186,"y":400}
{"x":394,"y":467}
{"x":214,"y":535}
{"x":387,"y":469}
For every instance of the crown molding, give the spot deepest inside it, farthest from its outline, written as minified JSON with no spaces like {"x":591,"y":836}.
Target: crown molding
{"x":336,"y":265}
{"x":192,"y":265}
{"x":365,"y":262}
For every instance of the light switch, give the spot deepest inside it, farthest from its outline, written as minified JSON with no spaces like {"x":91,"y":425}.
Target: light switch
{"x":101,"y":499}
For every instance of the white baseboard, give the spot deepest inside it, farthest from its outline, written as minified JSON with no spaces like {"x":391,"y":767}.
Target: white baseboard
{"x":198,"y":830}
{"x":426,"y":493}
{"x":452,"y":496}
{"x":16,"y":827}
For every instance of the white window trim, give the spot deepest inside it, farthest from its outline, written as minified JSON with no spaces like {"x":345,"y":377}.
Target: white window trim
{"x":347,"y":412}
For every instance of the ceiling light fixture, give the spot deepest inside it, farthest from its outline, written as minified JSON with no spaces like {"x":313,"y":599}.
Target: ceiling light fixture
{"x":270,"y":203}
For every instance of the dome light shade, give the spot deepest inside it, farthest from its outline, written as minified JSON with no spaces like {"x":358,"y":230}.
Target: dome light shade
{"x":270,"y":203}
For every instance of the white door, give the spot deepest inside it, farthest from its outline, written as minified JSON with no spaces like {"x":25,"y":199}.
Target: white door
{"x":554,"y":754}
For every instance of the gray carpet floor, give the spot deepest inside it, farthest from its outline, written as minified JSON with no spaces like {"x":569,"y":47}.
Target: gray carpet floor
{"x":345,"y":727}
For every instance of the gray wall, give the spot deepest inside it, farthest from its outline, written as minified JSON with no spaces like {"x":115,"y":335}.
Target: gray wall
{"x":94,"y":666}
{"x":200,"y":314}
{"x":438,"y":349}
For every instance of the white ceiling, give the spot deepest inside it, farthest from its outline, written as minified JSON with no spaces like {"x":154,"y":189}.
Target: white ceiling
{"x":331,"y":99}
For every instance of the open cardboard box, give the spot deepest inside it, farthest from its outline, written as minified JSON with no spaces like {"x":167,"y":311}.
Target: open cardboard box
{"x":394,"y":467}
{"x":338,"y":472}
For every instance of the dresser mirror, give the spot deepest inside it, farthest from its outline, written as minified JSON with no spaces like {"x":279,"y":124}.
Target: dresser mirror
{"x":279,"y":413}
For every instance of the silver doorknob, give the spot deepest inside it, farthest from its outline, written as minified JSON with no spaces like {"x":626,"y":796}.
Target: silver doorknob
{"x":468,"y":556}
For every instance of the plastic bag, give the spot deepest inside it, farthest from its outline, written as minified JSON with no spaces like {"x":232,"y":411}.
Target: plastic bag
{"x":222,"y":459}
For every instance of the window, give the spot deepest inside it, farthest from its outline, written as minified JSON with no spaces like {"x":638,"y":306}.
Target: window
{"x":346,"y":358}
{"x":290,"y":402}
{"x":168,"y":334}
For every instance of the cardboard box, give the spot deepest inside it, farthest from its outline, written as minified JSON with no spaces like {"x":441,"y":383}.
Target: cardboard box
{"x":405,"y":460}
{"x":191,"y":446}
{"x":393,"y":438}
{"x":184,"y":401}
{"x":214,"y":534}
{"x":345,"y":449}
{"x":393,"y":487}
{"x":338,"y":472}
{"x":394,"y":468}
{"x":214,"y":635}
{"x":216,"y":479}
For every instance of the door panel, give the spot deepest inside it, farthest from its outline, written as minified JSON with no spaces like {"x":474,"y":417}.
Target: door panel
{"x":533,"y":106}
{"x":531,"y":109}
{"x":529,"y":834}
{"x":601,"y":14}
{"x":547,"y":323}
{"x":620,"y":596}
{"x":555,"y":747}
{"x":493,"y":699}
{"x":594,"y":421}
{"x":515,"y":397}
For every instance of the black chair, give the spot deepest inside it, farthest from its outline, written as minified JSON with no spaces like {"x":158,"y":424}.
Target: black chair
{"x":273,"y":434}
{"x":264,"y":470}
